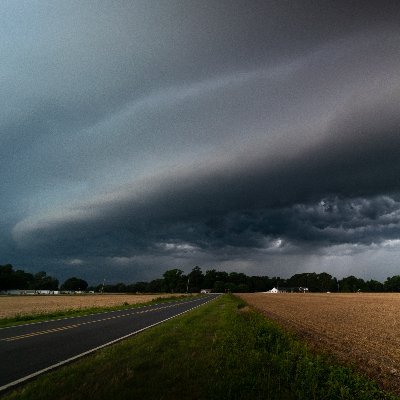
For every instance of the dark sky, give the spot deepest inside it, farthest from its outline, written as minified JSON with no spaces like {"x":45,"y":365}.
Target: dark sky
{"x":252,"y":136}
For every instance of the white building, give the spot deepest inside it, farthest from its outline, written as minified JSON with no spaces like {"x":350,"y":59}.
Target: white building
{"x":273,"y":290}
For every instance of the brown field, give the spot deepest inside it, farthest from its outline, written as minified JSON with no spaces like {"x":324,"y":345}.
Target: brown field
{"x":26,"y":305}
{"x":361,"y":329}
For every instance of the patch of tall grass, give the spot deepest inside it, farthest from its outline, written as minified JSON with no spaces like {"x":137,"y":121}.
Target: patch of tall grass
{"x":256,"y":359}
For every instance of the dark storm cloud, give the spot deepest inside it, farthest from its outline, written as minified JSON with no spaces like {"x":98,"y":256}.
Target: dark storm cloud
{"x":240,"y":203}
{"x":151,"y":133}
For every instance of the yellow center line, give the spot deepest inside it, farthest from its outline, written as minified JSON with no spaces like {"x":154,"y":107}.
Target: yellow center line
{"x":28,"y":335}
{"x":64,"y":328}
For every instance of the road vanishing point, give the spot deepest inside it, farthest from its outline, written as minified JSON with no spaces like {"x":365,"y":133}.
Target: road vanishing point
{"x":27,"y":351}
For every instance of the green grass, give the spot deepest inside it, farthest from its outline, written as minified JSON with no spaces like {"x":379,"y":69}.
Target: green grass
{"x":222,"y":350}
{"x":20,"y":319}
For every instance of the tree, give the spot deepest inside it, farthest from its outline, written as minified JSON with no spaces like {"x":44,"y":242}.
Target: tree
{"x":260,"y":283}
{"x":231,"y":287}
{"x":174,"y":280}
{"x":238,"y":278}
{"x":243,"y":288}
{"x":120,"y":288}
{"x":156,"y":286}
{"x":7,"y":277}
{"x":219,"y":287}
{"x":326,"y":282}
{"x":222,"y":276}
{"x":374,"y":286}
{"x":10,"y":279}
{"x":74,"y":284}
{"x":41,"y":281}
{"x":196,"y":279}
{"x":210,"y":277}
{"x":138,"y":287}
{"x":392,"y":284}
{"x":23,"y":280}
{"x":351,"y":284}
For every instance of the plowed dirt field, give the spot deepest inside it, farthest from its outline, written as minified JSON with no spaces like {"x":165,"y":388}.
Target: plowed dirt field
{"x":361,"y":329}
{"x":35,"y":304}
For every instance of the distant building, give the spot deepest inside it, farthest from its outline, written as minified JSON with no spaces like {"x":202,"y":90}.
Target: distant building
{"x":29,"y":292}
{"x":288,"y":290}
{"x":44,"y":292}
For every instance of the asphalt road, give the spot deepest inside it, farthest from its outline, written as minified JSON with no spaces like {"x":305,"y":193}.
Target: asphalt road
{"x":30,"y":350}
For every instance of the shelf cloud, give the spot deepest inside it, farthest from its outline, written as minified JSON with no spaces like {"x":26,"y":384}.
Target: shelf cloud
{"x":257,"y":137}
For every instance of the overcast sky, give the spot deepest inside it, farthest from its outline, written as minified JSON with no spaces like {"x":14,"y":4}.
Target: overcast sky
{"x":253,"y":136}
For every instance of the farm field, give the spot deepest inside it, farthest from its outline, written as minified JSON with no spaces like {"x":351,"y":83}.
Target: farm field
{"x":11,"y":306}
{"x":361,"y":329}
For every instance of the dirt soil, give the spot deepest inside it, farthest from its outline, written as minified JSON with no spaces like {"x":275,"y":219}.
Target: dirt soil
{"x":360,"y":328}
{"x":37,"y":304}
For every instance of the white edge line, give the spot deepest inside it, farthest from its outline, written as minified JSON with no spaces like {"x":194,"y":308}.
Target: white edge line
{"x":61,"y":363}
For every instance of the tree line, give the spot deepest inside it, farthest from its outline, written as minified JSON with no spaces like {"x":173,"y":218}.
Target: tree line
{"x":176,"y":281}
{"x":18,"y":279}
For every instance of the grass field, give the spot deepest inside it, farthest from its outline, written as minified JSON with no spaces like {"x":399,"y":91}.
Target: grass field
{"x":222,"y":350}
{"x":357,"y":328}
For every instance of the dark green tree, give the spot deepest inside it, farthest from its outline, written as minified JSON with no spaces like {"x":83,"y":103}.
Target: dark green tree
{"x":392,"y":284}
{"x":231,"y":287}
{"x":156,"y":286}
{"x":23,"y":280}
{"x":175,"y":281}
{"x":10,"y":279}
{"x":322,"y":282}
{"x":222,"y":276}
{"x":7,"y":281}
{"x":74,"y":284}
{"x":238,"y":278}
{"x":219,"y":287}
{"x":374,"y":286}
{"x":326,"y":283}
{"x":138,"y":287}
{"x":41,"y":281}
{"x":351,"y":284}
{"x":195,"y":280}
{"x":260,"y":283}
{"x":210,"y":277}
{"x":243,"y":288}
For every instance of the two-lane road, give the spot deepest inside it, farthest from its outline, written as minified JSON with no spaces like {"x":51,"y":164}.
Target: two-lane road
{"x":29,"y":350}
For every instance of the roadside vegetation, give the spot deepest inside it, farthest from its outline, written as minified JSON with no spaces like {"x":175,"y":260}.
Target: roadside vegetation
{"x":223,"y":350}
{"x":358,"y":329}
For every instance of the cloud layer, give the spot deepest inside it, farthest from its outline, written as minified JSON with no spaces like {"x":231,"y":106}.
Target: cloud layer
{"x":138,"y":137}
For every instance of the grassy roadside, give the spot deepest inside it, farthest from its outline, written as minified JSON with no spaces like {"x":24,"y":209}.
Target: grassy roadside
{"x":222,"y":350}
{"x":39,"y":317}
